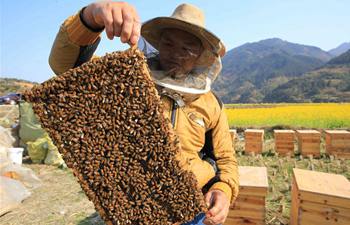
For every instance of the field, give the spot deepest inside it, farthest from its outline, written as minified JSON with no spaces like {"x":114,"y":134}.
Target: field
{"x":310,"y":115}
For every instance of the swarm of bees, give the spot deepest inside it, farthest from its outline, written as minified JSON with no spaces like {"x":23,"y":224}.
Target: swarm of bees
{"x":106,"y":119}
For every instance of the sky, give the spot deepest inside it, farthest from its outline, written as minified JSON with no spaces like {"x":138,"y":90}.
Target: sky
{"x":28,"y":27}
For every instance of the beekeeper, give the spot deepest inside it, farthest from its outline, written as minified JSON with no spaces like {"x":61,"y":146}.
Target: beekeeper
{"x":185,"y":59}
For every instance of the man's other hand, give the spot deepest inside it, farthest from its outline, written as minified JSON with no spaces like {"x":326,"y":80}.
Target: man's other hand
{"x":219,"y":205}
{"x":118,"y":18}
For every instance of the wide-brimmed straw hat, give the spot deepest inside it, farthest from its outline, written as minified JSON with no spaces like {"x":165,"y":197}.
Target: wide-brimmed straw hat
{"x":188,"y":18}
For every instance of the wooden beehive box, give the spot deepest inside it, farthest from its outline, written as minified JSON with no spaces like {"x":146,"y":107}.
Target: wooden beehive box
{"x":284,"y":142}
{"x":249,"y":207}
{"x":233,"y":133}
{"x":309,"y":142}
{"x":338,"y":143}
{"x":254,"y":140}
{"x":319,"y":198}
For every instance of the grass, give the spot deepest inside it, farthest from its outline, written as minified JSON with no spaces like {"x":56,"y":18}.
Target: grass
{"x":311,"y":115}
{"x":280,"y":175}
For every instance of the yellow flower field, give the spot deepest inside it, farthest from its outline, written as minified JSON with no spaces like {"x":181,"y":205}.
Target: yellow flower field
{"x":308,"y":115}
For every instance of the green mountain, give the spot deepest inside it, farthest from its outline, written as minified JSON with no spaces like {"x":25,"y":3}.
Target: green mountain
{"x":331,"y":83}
{"x":255,"y":69}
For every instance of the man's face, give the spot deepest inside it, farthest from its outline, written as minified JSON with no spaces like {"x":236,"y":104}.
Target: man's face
{"x":178,"y":52}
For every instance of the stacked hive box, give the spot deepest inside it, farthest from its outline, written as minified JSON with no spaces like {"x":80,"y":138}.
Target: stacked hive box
{"x":320,"y":198}
{"x":249,"y":207}
{"x":284,"y":142}
{"x":233,"y":133}
{"x":309,"y":142}
{"x":338,"y":143}
{"x":254,"y":140}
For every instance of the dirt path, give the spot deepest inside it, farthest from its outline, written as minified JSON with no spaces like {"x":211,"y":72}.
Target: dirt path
{"x":59,"y":200}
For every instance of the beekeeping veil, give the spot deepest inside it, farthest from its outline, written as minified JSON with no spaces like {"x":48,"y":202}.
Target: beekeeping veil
{"x":188,"y":18}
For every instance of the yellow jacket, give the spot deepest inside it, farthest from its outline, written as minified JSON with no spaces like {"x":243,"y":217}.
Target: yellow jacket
{"x":75,"y":44}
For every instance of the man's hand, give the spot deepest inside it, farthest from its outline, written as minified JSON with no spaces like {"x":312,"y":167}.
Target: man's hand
{"x":219,"y":206}
{"x":119,"y":19}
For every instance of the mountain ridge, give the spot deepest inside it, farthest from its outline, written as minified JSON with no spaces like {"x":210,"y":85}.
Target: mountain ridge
{"x":253,"y":69}
{"x":330,"y":83}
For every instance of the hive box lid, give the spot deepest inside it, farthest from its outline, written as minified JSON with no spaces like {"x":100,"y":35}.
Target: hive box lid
{"x":254,"y":130}
{"x":322,"y":185}
{"x":255,"y":177}
{"x":308,"y":132}
{"x":284,"y":131}
{"x":337,"y":132}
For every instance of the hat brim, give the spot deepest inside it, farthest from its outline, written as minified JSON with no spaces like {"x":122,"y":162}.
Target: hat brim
{"x":152,"y":31}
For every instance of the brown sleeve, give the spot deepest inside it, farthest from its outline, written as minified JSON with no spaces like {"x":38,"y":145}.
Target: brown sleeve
{"x":74,"y":44}
{"x":225,"y":158}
